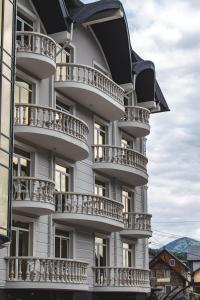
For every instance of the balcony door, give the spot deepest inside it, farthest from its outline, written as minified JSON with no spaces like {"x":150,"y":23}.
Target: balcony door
{"x":128,"y":255}
{"x":62,"y":244}
{"x":100,"y":138}
{"x":21,"y":173}
{"x":62,"y":185}
{"x":128,"y":202}
{"x":101,"y":260}
{"x":20,"y":247}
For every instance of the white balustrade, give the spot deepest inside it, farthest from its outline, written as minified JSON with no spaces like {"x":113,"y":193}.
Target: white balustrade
{"x":36,"y":43}
{"x":52,"y":119}
{"x":137,"y":221}
{"x":89,"y":205}
{"x":90,"y":76}
{"x":119,"y":155}
{"x":136,"y":114}
{"x":33,"y":189}
{"x":35,"y":269}
{"x":120,"y":277}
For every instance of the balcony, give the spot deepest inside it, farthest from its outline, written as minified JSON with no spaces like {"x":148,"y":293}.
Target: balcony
{"x":52,"y":129}
{"x":91,"y":211}
{"x":126,"y":165}
{"x":137,"y":225}
{"x":45,"y":273}
{"x":36,"y":53}
{"x":33,"y":196}
{"x":121,"y":279}
{"x":135,"y":121}
{"x":91,"y":88}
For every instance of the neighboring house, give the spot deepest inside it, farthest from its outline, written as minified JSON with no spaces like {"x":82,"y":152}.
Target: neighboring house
{"x":83,"y":99}
{"x":168,"y":274}
{"x":193,"y":257}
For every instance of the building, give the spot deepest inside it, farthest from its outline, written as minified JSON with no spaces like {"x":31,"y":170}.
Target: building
{"x":7,"y":63}
{"x":193,"y":258}
{"x":83,"y":99}
{"x":169,"y":275}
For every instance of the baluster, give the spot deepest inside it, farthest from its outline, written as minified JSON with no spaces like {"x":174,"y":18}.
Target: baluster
{"x":18,"y":197}
{"x":17,"y":114}
{"x":12,"y":264}
{"x":24,"y":114}
{"x":27,"y":196}
{"x":27,"y":276}
{"x":40,"y":194}
{"x":38,"y":116}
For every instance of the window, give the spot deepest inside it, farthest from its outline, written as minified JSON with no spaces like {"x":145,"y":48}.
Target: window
{"x":23,"y":91}
{"x":127,"y":201}
{"x":100,"y":188}
{"x":23,"y":23}
{"x":62,"y":107}
{"x":168,"y":289}
{"x":172,"y":262}
{"x":65,"y":55}
{"x":99,"y":134}
{"x":99,"y":139}
{"x":101,"y":250}
{"x":62,"y":244}
{"x":20,"y":239}
{"x":62,"y":178}
{"x":125,"y":143}
{"x":21,"y":163}
{"x":128,"y":255}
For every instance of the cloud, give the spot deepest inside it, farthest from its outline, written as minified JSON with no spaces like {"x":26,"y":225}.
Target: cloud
{"x":168,"y":33}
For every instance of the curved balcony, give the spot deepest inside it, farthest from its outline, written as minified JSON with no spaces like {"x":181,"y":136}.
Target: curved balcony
{"x":137,"y":225}
{"x":52,"y":129}
{"x":121,"y":279}
{"x":33,"y":196}
{"x":92,"y":89}
{"x":89,"y":210}
{"x":36,"y":53}
{"x":126,"y":165}
{"x":45,"y":273}
{"x":135,"y":121}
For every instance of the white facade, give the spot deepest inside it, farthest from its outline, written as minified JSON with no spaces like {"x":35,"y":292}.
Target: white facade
{"x":58,"y":216}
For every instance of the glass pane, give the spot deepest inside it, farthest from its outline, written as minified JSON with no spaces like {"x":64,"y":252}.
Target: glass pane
{"x":57,"y":247}
{"x":4,"y":175}
{"x":25,"y":167}
{"x":57,"y":179}
{"x":4,"y":143}
{"x":7,"y":38}
{"x":4,"y":158}
{"x":23,"y":243}
{"x":65,"y":248}
{"x":5,"y":113}
{"x":62,"y":233}
{"x":13,"y":244}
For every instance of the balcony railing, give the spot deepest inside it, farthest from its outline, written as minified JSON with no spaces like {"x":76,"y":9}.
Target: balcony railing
{"x":52,"y":119}
{"x":36,"y":43}
{"x":33,"y":189}
{"x":89,"y":205}
{"x":137,"y":221}
{"x":90,"y":76}
{"x":34,"y":269}
{"x":119,"y":155}
{"x":136,"y":114}
{"x":120,"y":277}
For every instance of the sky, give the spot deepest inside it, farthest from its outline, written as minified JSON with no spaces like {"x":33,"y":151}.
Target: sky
{"x":168,"y":33}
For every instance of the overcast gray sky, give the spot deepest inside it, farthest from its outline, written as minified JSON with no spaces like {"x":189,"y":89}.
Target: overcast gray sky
{"x":168,"y":33}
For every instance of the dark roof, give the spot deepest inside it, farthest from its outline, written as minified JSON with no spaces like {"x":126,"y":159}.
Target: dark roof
{"x":113,"y":36}
{"x":155,"y":259}
{"x":193,"y":253}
